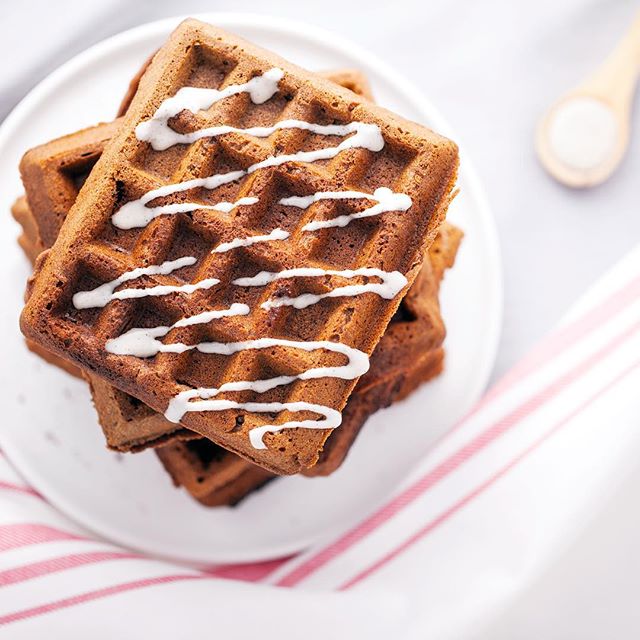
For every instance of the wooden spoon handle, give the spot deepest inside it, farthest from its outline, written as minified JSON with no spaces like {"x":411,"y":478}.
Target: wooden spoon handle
{"x":615,"y":79}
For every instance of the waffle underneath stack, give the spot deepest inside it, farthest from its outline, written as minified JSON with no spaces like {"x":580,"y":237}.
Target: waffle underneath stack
{"x":53,"y":174}
{"x":409,"y":353}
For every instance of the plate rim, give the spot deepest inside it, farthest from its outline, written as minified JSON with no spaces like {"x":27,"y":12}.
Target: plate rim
{"x":342,"y":46}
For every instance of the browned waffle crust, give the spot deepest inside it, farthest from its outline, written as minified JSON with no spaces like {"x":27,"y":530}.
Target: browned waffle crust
{"x":52,"y":175}
{"x":29,"y":239}
{"x":409,"y":353}
{"x":90,"y":251}
{"x":195,"y":465}
{"x":211,"y":474}
{"x":352,"y":79}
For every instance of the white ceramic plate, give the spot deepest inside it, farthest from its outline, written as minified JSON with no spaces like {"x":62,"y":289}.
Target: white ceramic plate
{"x":49,"y":427}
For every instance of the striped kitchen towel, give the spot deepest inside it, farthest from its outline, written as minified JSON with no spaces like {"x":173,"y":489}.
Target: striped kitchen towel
{"x":491,"y":506}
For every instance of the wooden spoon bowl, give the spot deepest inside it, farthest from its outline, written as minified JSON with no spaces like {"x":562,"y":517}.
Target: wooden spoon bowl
{"x":603,"y":105}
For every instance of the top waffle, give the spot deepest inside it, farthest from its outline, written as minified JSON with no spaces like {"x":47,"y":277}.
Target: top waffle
{"x":162,"y":241}
{"x":52,"y":175}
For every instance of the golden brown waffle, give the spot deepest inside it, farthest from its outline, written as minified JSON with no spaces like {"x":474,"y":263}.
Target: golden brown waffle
{"x":409,"y":353}
{"x":29,"y":239}
{"x":91,"y":250}
{"x":352,"y":79}
{"x":128,"y":424}
{"x":399,"y":366}
{"x":52,"y":175}
{"x":211,"y":474}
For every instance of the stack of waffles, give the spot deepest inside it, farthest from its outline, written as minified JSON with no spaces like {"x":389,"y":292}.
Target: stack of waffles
{"x":244,"y":265}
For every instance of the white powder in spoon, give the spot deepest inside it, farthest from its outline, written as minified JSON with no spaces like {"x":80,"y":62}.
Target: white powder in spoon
{"x":583,"y":133}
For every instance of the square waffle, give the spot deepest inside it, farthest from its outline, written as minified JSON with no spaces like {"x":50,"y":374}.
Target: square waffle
{"x":409,"y":354}
{"x":91,"y":251}
{"x":210,"y":474}
{"x":52,"y":175}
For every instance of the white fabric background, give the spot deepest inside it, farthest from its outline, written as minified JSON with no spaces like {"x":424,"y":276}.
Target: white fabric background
{"x":491,"y":67}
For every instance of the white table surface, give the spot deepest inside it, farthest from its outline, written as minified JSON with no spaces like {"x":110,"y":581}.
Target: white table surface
{"x":491,"y":67}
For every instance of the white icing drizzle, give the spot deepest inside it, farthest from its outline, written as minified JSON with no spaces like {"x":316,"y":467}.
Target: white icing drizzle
{"x":386,"y":198}
{"x":367,"y":136}
{"x":332,"y":418}
{"x":103,"y":294}
{"x":158,"y":133}
{"x":146,"y":342}
{"x":143,"y":343}
{"x":276,"y":234}
{"x":357,"y":365}
{"x":157,"y":130}
{"x":392,"y":283}
{"x":227,"y":207}
{"x":135,"y":214}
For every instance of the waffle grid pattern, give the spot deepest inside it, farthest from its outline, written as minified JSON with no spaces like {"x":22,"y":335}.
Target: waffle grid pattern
{"x":408,"y":354}
{"x":53,"y":174}
{"x":102,"y":253}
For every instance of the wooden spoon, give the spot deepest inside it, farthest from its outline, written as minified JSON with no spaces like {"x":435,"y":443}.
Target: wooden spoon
{"x":582,"y":139}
